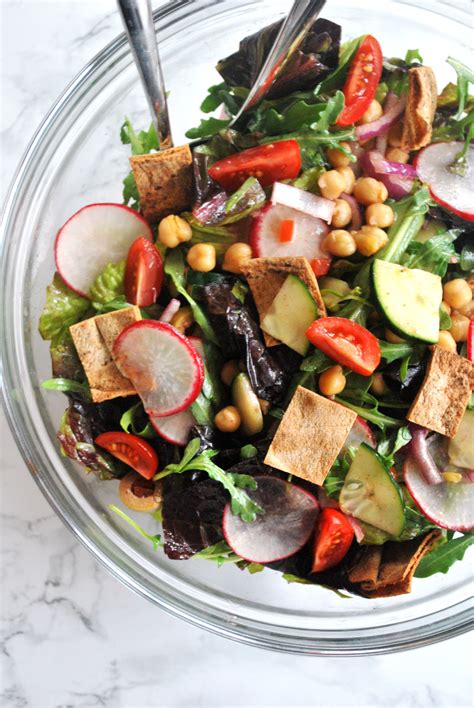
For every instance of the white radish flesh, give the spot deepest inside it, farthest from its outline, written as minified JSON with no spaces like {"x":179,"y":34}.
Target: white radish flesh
{"x":265,"y":233}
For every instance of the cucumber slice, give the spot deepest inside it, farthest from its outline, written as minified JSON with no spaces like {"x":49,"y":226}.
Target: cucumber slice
{"x":290,"y":314}
{"x":461,"y":447}
{"x":409,"y":299}
{"x":370,"y":493}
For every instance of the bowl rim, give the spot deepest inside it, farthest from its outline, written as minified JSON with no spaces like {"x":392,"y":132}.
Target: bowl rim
{"x":409,"y":633}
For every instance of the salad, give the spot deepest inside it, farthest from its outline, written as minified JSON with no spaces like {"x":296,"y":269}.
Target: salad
{"x":269,"y":345}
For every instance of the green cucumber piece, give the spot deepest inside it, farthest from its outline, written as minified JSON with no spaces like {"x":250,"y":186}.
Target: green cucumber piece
{"x":409,"y":299}
{"x":290,"y":314}
{"x":461,"y":447}
{"x":370,"y":493}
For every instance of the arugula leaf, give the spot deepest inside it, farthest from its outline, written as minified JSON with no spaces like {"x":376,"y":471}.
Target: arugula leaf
{"x":130,"y":194}
{"x":391,"y":352}
{"x":442,"y":558}
{"x":207,"y":127}
{"x":371,"y":414}
{"x":336,"y":79}
{"x":295,"y":112}
{"x":175,"y":268}
{"x":334,"y":481}
{"x":220,"y":553}
{"x":141,"y":143}
{"x":392,"y":443}
{"x":290,"y":578}
{"x":62,"y":309}
{"x":109,"y":285}
{"x":316,"y":362}
{"x":433,"y":255}
{"x":465,"y":77}
{"x":129,"y":422}
{"x":155,"y":540}
{"x":234,"y":484}
{"x":119,"y":303}
{"x":68,"y":386}
{"x":308,"y":180}
{"x":413,"y":56}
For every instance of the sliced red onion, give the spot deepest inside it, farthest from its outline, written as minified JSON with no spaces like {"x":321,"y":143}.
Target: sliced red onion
{"x":470,"y":476}
{"x":381,"y":143}
{"x":397,"y":177}
{"x":170,"y":310}
{"x":420,"y":453}
{"x":303,"y":201}
{"x":356,"y":221}
{"x":358,"y":530}
{"x":382,"y":124}
{"x":213,"y":210}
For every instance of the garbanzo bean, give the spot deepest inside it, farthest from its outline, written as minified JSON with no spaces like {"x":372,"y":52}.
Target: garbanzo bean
{"x":373,"y":112}
{"x":446,"y":341}
{"x":202,"y":257}
{"x":457,"y":293}
{"x":342,"y":214}
{"x":380,"y":215}
{"x":174,"y":230}
{"x":378,"y":385}
{"x":394,"y":154}
{"x":394,"y":137}
{"x":369,"y":240}
{"x":332,"y":184}
{"x":229,"y":371}
{"x":236,"y":256}
{"x":368,"y":190}
{"x":332,"y":381}
{"x":336,"y":157}
{"x":349,"y":178}
{"x":339,"y":243}
{"x":392,"y":337}
{"x":459,"y":327}
{"x":228,"y":419}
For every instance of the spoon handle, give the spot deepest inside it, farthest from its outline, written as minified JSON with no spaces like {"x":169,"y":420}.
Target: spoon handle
{"x":292,"y":32}
{"x":138,"y":22}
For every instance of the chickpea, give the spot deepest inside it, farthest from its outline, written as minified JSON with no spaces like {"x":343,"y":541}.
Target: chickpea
{"x":336,"y":157}
{"x":349,"y":177}
{"x":331,"y":184}
{"x":342,"y":214}
{"x":378,"y":386}
{"x":457,"y":293}
{"x":446,"y":341}
{"x":459,"y":327}
{"x":396,"y":155}
{"x":236,"y":256}
{"x":183,"y":319}
{"x":229,"y":371}
{"x":331,"y":299}
{"x":394,"y":138}
{"x":140,"y":494}
{"x":174,"y":230}
{"x":369,"y":240}
{"x":202,"y":257}
{"x":264,"y":405}
{"x":228,"y":419}
{"x":392,"y":337}
{"x":446,"y":308}
{"x":332,"y":381}
{"x":453,"y":477}
{"x":339,"y":243}
{"x":373,"y":112}
{"x":380,"y":215}
{"x":467,"y":310}
{"x":368,"y":190}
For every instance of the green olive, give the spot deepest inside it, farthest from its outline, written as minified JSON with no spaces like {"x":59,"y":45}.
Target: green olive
{"x":329,"y":287}
{"x":248,"y":405}
{"x":140,"y":494}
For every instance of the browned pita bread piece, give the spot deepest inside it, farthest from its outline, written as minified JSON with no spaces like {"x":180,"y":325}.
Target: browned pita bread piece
{"x":164,"y":181}
{"x":420,"y":109}
{"x":387,"y":570}
{"x":265,"y":277}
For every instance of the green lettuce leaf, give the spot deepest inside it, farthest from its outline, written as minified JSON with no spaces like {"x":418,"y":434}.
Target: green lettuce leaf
{"x":109,"y":285}
{"x":141,"y":143}
{"x":62,"y":309}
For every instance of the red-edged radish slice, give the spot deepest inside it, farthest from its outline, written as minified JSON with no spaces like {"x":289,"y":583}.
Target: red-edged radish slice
{"x":91,"y":238}
{"x":303,"y":201}
{"x":174,"y":428}
{"x":446,"y":504}
{"x":451,"y":190}
{"x":265,"y":233}
{"x":285,"y":526}
{"x":164,"y":367}
{"x":359,"y":433}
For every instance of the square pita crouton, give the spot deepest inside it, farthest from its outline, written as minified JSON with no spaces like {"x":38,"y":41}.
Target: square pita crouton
{"x":265,"y":277}
{"x":444,"y":393}
{"x":164,"y":181}
{"x":105,"y":380}
{"x":420,"y":109}
{"x":310,"y":436}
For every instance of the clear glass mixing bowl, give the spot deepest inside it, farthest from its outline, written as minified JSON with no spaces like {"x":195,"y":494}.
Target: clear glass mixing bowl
{"x":76,"y":158}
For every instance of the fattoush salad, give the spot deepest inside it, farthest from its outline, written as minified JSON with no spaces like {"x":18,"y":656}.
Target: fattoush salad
{"x":270,"y":344}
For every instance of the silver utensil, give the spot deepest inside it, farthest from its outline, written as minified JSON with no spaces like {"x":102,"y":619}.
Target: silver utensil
{"x":292,"y":32}
{"x":137,"y":18}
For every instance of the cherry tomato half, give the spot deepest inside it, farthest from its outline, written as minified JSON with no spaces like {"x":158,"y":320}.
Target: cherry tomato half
{"x":362,"y":81}
{"x":320,"y":266}
{"x":143,"y":273}
{"x":470,"y":340}
{"x":132,"y":450}
{"x":346,"y":342}
{"x":333,"y":538}
{"x":268,"y":163}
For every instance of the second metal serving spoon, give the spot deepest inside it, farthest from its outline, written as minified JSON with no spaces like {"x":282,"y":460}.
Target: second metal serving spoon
{"x":138,"y":21}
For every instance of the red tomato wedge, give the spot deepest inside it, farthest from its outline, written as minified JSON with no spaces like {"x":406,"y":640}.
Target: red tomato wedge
{"x":320,"y":266}
{"x":268,"y":163}
{"x":362,"y":81}
{"x":470,"y":340}
{"x":333,"y":538}
{"x":143,"y":273}
{"x":346,"y":342}
{"x":132,"y":450}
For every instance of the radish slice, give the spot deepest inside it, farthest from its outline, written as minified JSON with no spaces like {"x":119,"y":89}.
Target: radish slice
{"x":284,"y":527}
{"x":170,"y":310}
{"x":359,"y":433}
{"x":448,"y":505}
{"x":303,"y":201}
{"x":174,"y":428}
{"x":452,"y":191}
{"x":265,"y":230}
{"x":164,"y":367}
{"x":94,"y":236}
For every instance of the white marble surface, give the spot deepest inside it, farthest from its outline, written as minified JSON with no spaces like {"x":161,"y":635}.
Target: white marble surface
{"x":71,"y":634}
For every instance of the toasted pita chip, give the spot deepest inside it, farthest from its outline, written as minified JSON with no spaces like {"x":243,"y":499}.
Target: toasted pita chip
{"x":310,"y":436}
{"x":444,"y":393}
{"x":164,"y":181}
{"x":112,"y":323}
{"x":266,"y":276}
{"x":420,"y":108}
{"x":386,"y":571}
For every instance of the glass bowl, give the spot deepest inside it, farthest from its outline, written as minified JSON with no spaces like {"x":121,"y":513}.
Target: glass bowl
{"x":76,"y":158}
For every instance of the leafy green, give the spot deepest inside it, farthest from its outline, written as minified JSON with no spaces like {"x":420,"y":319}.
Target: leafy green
{"x":141,"y":143}
{"x":317,"y":362}
{"x":295,"y":112}
{"x":119,"y":303}
{"x":220,"y":553}
{"x":413,"y":56}
{"x":392,"y":443}
{"x":466,"y":259}
{"x":222,"y":94}
{"x":290,"y":578}
{"x":434,"y":255}
{"x":175,"y":268}
{"x":391,"y":352}
{"x":248,"y":197}
{"x":445,"y":321}
{"x":62,"y":309}
{"x":409,"y":217}
{"x":442,"y":558}
{"x":234,"y":484}
{"x":219,"y":235}
{"x":207,"y":127}
{"x":334,"y":481}
{"x":135,"y":421}
{"x":247,"y":452}
{"x":371,"y":414}
{"x":308,"y":180}
{"x":465,"y":76}
{"x":109,"y":285}
{"x":336,"y":79}
{"x":155,"y":540}
{"x":67,"y":386}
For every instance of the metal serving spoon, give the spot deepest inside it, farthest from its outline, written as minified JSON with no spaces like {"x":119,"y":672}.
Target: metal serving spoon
{"x":137,"y":17}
